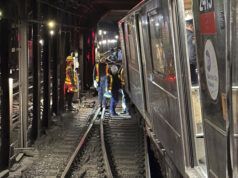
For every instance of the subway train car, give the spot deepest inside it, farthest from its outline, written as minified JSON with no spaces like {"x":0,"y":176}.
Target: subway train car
{"x":192,"y":129}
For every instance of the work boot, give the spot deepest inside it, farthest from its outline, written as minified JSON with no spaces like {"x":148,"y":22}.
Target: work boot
{"x":114,"y":114}
{"x":125,"y":112}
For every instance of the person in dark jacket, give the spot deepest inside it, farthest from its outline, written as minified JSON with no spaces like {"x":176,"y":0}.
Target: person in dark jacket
{"x":114,"y":87}
{"x":100,"y":74}
{"x":191,"y":51}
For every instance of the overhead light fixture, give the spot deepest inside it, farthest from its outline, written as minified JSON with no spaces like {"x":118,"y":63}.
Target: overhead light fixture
{"x":116,"y":36}
{"x":104,"y":32}
{"x":51,"y":24}
{"x":1,"y":13}
{"x":52,"y":32}
{"x":104,"y":42}
{"x":41,"y":41}
{"x":100,"y":32}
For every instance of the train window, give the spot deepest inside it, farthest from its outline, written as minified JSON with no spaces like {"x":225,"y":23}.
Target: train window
{"x":131,"y":40}
{"x":161,"y":44}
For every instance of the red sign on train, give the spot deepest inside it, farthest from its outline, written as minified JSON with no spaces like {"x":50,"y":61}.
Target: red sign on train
{"x":207,"y":23}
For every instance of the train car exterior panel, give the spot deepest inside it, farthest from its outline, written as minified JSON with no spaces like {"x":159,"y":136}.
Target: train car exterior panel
{"x":160,"y":80}
{"x":136,"y":90}
{"x":170,"y":139}
{"x":143,"y":70}
{"x":215,"y":169}
{"x":166,"y":106}
{"x":147,"y":64}
{"x":163,"y":54}
{"x":214,"y":75}
{"x":133,"y":57}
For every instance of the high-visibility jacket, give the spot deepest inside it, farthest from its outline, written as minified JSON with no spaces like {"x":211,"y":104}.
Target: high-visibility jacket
{"x":121,"y":76}
{"x":70,"y":78}
{"x":114,"y":82}
{"x":100,"y":70}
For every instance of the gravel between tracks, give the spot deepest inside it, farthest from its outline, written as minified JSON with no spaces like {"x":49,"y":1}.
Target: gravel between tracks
{"x":52,"y":151}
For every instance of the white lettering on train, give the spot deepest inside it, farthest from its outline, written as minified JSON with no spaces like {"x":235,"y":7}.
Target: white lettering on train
{"x":206,"y":5}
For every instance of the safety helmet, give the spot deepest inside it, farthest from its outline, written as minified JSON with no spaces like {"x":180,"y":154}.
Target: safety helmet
{"x":188,"y":15}
{"x":102,"y":55}
{"x":114,"y":69}
{"x":69,"y":59}
{"x":103,"y":59}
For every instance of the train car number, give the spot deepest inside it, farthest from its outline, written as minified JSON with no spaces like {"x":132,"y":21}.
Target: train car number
{"x":206,"y":5}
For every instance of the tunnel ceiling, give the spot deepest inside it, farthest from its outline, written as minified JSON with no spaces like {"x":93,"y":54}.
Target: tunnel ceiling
{"x":90,"y":12}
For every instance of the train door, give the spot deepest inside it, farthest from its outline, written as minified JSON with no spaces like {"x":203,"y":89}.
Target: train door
{"x":194,"y":86}
{"x":188,"y":85}
{"x":211,"y":34}
{"x":142,"y":65}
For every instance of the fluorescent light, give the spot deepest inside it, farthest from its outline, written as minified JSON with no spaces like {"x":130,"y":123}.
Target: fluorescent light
{"x":52,"y":32}
{"x":41,"y":41}
{"x":100,"y":32}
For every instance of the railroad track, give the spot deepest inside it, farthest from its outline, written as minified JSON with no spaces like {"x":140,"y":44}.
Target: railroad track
{"x":110,"y":148}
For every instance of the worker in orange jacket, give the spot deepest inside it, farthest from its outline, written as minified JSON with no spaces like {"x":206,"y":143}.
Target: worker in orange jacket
{"x":70,"y":82}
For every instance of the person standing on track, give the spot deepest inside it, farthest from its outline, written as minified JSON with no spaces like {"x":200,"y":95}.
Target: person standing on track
{"x":114,"y":87}
{"x":100,"y":78}
{"x":70,"y":82}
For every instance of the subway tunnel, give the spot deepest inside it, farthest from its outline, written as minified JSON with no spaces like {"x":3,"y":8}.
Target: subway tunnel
{"x":118,"y":88}
{"x":36,"y":37}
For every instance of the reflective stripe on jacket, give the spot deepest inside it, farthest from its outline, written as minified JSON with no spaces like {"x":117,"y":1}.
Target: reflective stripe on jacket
{"x":100,"y":70}
{"x":114,"y":82}
{"x":121,"y":76}
{"x":70,"y":76}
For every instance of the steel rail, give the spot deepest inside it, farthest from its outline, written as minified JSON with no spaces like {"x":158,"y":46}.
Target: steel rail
{"x":79,"y":147}
{"x":104,"y":151}
{"x":147,"y":159}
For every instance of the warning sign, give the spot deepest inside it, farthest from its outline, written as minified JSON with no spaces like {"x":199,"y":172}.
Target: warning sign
{"x":211,"y":69}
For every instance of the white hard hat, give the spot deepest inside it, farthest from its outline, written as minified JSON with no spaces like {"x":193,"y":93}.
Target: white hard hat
{"x":188,"y":15}
{"x":114,"y":69}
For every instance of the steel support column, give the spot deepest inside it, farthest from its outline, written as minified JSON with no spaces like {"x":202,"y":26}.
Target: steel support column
{"x":5,"y":113}
{"x":81,"y":62}
{"x":62,"y":71}
{"x":56,"y":56}
{"x":23,"y":78}
{"x":23,"y":73}
{"x":67,"y":43}
{"x":35,"y":132}
{"x":46,"y":77}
